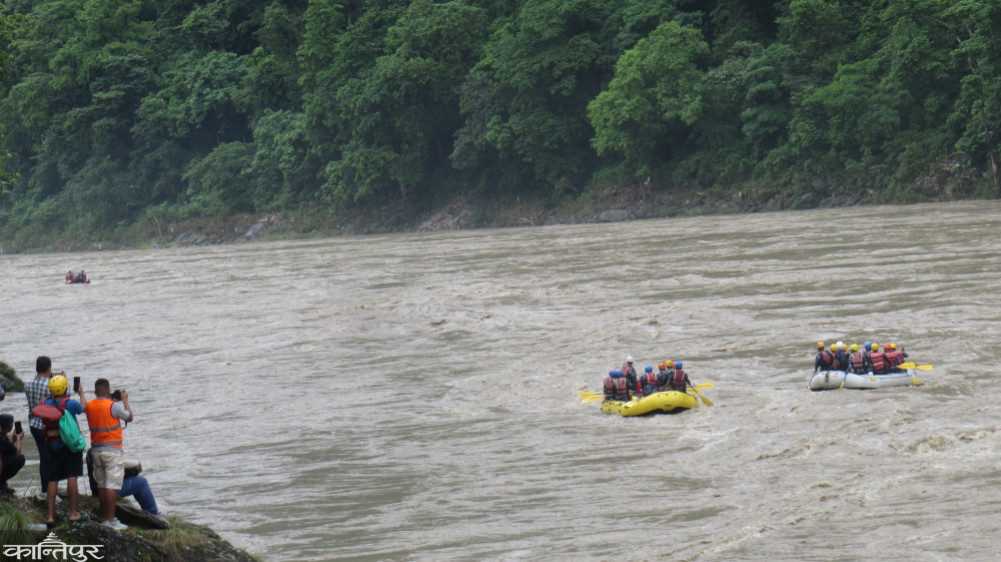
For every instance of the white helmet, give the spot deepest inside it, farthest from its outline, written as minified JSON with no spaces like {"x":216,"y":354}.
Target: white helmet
{"x":629,"y":359}
{"x":840,"y":345}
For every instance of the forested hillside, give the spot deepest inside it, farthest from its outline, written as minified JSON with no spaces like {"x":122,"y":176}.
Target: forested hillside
{"x":117,"y":111}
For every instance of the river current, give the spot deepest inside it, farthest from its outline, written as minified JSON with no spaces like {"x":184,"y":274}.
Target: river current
{"x":415,"y":396}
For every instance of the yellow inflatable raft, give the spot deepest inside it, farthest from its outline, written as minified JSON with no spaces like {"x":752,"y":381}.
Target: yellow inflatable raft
{"x":669,"y":401}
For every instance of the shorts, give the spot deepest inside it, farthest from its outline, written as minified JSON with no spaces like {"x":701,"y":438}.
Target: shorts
{"x":109,"y":467}
{"x":64,"y":464}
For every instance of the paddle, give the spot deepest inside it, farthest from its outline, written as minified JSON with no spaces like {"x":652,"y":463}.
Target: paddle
{"x":698,"y":391}
{"x":911,"y":365}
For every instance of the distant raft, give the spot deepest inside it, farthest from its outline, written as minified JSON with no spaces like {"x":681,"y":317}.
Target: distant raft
{"x":670,"y":401}
{"x":833,"y":380}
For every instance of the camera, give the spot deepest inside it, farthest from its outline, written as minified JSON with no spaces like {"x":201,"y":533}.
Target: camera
{"x":116,"y":395}
{"x":76,"y":384}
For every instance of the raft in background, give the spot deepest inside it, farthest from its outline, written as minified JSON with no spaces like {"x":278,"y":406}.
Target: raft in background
{"x":833,"y":380}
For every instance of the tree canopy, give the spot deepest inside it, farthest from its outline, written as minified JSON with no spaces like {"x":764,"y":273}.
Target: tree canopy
{"x":111,"y":109}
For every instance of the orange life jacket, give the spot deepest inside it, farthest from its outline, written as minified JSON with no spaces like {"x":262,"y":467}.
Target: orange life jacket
{"x":878,"y":361}
{"x":105,"y":429}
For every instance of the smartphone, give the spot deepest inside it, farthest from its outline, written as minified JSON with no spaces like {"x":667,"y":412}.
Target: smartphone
{"x":17,"y":427}
{"x":76,"y":384}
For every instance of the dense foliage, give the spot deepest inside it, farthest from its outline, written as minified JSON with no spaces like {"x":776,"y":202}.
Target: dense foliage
{"x":117,"y":110}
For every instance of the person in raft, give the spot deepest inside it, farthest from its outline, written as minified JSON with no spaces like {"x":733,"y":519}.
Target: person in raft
{"x":858,"y":363}
{"x":877,"y":360}
{"x":616,"y":386}
{"x":630,"y":373}
{"x":825,"y":359}
{"x":648,"y":381}
{"x":679,"y":380}
{"x":663,"y":375}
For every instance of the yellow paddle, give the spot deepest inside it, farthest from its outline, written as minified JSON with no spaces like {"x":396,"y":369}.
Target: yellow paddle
{"x":698,"y":391}
{"x":911,"y":365}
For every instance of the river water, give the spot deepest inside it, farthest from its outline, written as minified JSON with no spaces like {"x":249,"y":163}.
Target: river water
{"x":414,"y":396}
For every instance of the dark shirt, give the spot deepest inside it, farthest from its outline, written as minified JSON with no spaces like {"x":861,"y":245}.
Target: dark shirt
{"x":7,"y":449}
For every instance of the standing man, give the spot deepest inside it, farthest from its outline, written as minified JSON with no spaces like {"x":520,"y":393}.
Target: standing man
{"x":63,"y":463}
{"x":11,"y":459}
{"x":104,"y":416}
{"x":36,"y":390}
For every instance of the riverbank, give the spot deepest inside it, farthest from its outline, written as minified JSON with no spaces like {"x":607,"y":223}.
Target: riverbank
{"x":611,"y":203}
{"x":179,"y":542}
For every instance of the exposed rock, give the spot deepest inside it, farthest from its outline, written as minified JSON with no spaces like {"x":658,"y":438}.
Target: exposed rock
{"x":9,"y":379}
{"x":182,"y":542}
{"x":258,"y":229}
{"x":453,"y":216}
{"x":135,"y":517}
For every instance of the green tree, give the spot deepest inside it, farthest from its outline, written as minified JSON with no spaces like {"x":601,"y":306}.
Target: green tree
{"x":653,"y":98}
{"x":525,"y":103}
{"x":976,"y":25}
{"x":399,"y":115}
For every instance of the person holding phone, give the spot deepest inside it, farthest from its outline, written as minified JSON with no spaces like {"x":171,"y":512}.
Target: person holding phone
{"x":36,"y":390}
{"x":11,"y":459}
{"x":105,"y":416}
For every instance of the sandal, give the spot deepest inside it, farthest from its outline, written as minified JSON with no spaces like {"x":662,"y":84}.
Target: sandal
{"x":83,"y":517}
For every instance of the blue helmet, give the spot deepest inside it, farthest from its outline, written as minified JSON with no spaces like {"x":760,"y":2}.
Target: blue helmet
{"x":678,"y":365}
{"x":868,"y":345}
{"x":648,"y":369}
{"x":615,"y":373}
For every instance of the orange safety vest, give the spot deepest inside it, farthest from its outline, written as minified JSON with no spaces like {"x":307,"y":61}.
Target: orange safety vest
{"x":105,"y":429}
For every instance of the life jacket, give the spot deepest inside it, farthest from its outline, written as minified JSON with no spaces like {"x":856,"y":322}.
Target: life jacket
{"x":878,"y":361}
{"x":52,"y":427}
{"x":621,"y":388}
{"x":617,"y":388}
{"x":857,"y":361}
{"x":648,"y":383}
{"x":894,"y":358}
{"x":827,"y":358}
{"x":105,"y":429}
{"x":629,"y":372}
{"x":678,"y":379}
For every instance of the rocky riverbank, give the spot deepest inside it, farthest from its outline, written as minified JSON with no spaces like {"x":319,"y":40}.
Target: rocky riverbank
{"x":144,"y":541}
{"x":611,"y":203}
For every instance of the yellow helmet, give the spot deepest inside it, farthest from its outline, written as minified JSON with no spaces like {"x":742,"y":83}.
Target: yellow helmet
{"x":875,"y":347}
{"x":58,"y":385}
{"x":820,"y":345}
{"x":854,"y":347}
{"x":893,"y":346}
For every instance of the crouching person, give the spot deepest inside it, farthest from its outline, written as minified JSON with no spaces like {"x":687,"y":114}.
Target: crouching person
{"x":11,"y":459}
{"x":133,"y":484}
